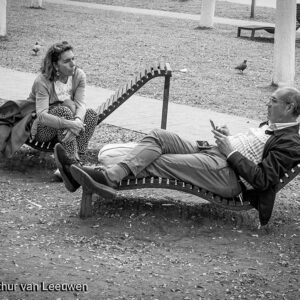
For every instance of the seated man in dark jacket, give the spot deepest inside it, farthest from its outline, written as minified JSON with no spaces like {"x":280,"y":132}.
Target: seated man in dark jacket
{"x":250,"y":163}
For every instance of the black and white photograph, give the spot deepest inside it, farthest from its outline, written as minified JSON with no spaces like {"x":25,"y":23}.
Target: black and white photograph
{"x":149,"y":149}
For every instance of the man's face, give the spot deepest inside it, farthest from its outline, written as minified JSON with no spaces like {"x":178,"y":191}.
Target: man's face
{"x":278,"y":109}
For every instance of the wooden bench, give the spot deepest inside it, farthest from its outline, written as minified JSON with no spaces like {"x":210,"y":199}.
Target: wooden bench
{"x":253,"y":28}
{"x":131,"y":183}
{"x":119,"y":97}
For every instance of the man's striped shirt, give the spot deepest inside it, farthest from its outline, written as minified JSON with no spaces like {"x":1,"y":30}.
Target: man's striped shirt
{"x":251,"y":145}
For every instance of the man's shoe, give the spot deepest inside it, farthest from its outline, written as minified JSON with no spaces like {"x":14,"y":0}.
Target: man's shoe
{"x":63,"y":163}
{"x":90,"y":184}
{"x":99,"y":176}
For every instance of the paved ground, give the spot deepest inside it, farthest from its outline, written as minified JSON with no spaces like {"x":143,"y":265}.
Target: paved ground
{"x":265,"y":3}
{"x":159,"y":13}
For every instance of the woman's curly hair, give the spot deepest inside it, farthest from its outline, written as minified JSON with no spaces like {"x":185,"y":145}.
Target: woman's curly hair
{"x":52,"y":56}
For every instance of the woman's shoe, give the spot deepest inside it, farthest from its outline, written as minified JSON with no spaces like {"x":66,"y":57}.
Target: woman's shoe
{"x":63,"y":163}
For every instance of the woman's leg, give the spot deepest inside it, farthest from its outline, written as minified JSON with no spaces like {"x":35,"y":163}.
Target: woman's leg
{"x":90,"y":121}
{"x":46,"y":133}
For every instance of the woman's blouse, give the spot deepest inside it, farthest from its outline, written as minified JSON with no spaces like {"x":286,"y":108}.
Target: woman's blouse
{"x":63,"y":90}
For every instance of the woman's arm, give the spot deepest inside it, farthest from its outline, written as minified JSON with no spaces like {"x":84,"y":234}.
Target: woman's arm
{"x":79,"y":94}
{"x":42,"y":95}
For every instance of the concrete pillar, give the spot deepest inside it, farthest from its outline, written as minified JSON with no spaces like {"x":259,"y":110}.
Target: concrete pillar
{"x":207,"y":13}
{"x":2,"y":17}
{"x":284,"y":43}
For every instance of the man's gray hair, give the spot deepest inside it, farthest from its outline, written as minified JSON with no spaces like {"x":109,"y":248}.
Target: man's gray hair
{"x":291,"y":95}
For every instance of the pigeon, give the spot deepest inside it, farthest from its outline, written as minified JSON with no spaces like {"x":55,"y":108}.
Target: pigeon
{"x":183,"y":70}
{"x":242,"y":66}
{"x":36,"y":48}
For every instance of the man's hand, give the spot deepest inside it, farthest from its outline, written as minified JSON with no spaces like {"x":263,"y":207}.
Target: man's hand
{"x":223,"y":129}
{"x":222,"y":142}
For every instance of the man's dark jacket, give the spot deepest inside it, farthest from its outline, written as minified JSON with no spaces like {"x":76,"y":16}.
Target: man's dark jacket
{"x":281,"y":153}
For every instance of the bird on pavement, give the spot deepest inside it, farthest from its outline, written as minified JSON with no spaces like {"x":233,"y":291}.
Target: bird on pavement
{"x":36,"y":48}
{"x":242,"y":66}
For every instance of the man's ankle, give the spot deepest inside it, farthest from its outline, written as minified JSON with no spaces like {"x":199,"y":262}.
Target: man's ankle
{"x":110,"y":182}
{"x":116,"y":173}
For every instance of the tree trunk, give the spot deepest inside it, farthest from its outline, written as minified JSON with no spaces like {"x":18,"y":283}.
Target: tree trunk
{"x":207,"y":13}
{"x":284,"y":43}
{"x":2,"y":17}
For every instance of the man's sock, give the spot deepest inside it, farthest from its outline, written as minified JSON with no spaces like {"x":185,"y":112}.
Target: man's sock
{"x":117,"y":172}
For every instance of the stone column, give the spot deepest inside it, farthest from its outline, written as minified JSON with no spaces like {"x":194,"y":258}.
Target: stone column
{"x":2,"y":17}
{"x":284,"y":43}
{"x":207,"y":13}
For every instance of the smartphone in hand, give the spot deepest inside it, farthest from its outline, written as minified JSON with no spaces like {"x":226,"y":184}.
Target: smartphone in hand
{"x":212,"y":125}
{"x":203,"y":145}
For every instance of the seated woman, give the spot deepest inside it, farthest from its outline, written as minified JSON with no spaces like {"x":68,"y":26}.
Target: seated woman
{"x":59,"y":94}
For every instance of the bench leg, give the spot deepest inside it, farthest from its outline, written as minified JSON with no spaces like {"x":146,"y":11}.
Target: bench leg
{"x":86,"y":204}
{"x":164,"y":115}
{"x":252,"y":34}
{"x":239,"y":32}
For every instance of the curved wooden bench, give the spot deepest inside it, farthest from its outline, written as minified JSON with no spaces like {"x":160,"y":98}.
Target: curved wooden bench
{"x":125,"y":92}
{"x":41,"y":146}
{"x":131,"y":183}
{"x":118,"y":98}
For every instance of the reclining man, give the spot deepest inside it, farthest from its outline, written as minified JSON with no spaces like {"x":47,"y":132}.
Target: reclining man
{"x":250,"y":163}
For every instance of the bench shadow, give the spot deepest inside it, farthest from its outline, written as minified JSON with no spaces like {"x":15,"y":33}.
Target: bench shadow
{"x":172,"y":207}
{"x":27,"y":159}
{"x":269,"y":88}
{"x":265,"y":40}
{"x":203,"y":28}
{"x":258,"y":39}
